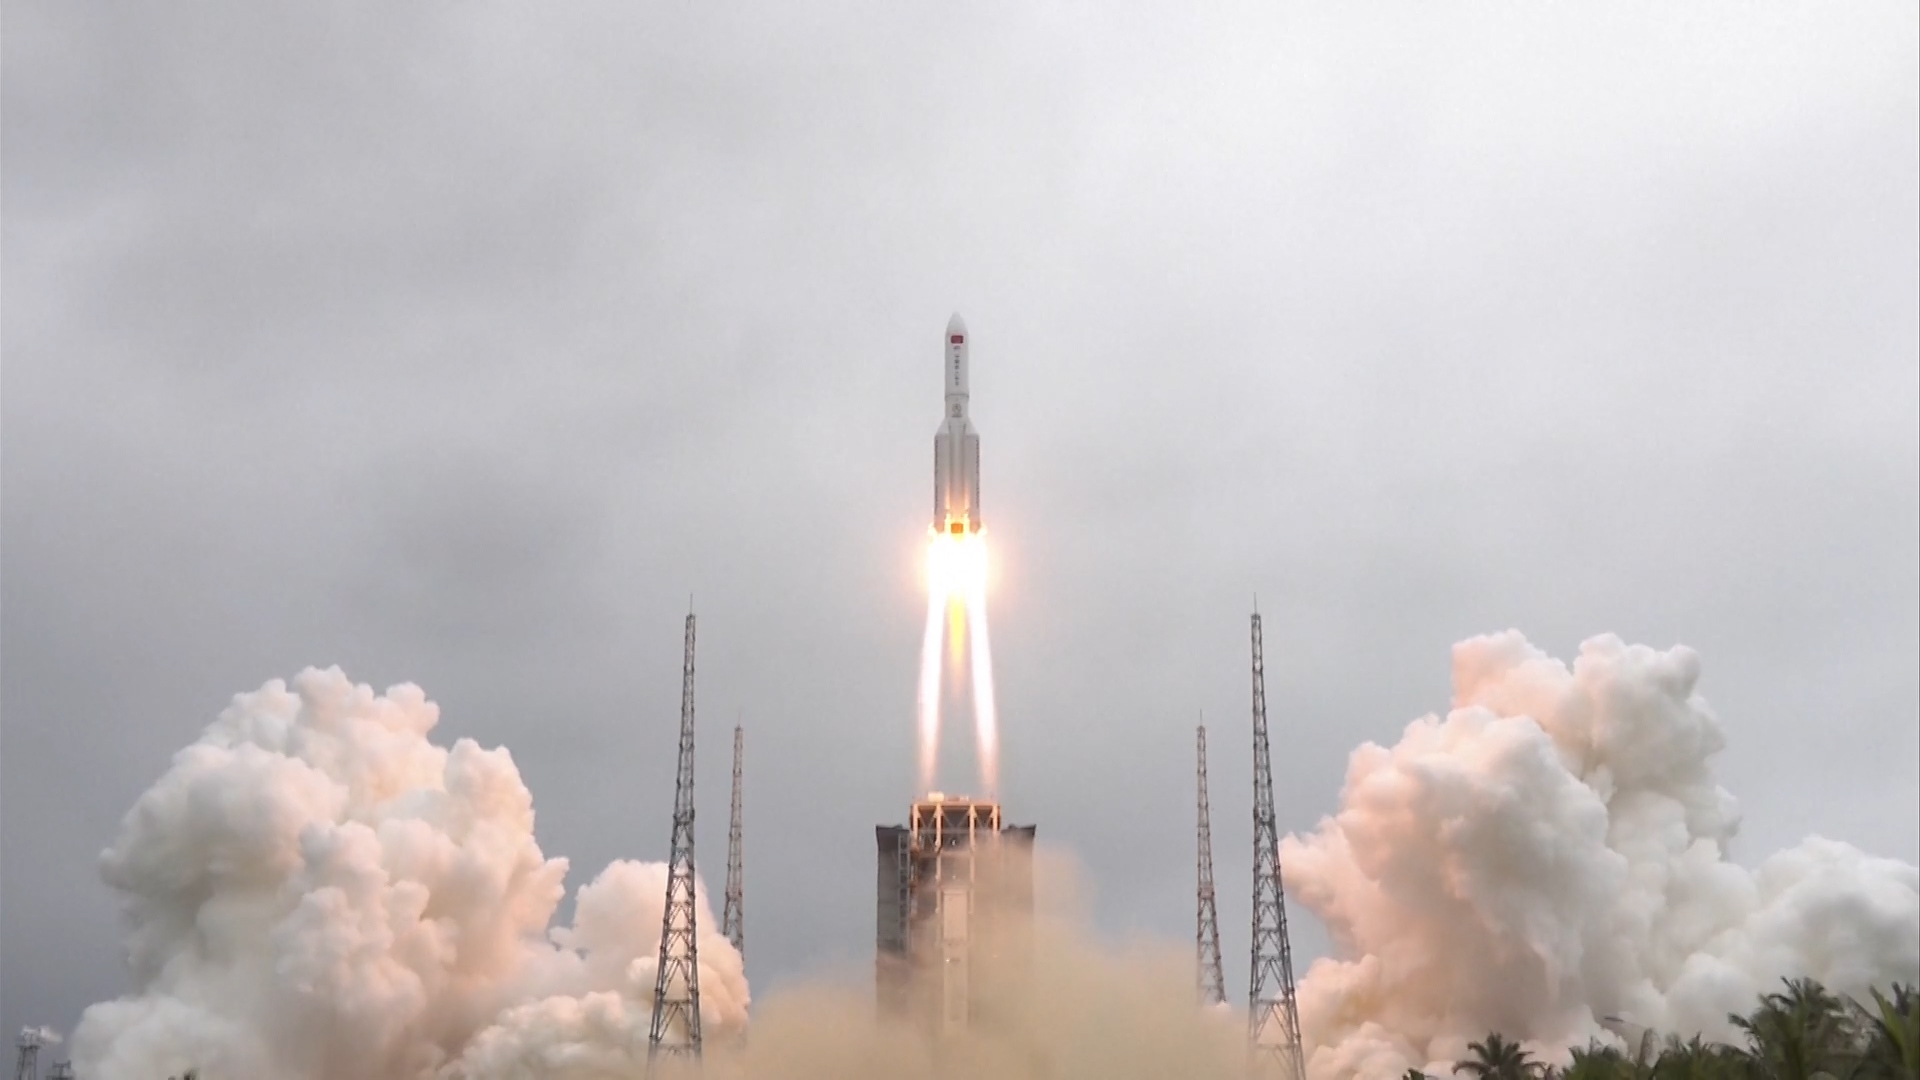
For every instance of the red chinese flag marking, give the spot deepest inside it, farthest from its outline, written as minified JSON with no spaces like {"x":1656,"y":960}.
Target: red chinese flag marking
{"x":958,"y":338}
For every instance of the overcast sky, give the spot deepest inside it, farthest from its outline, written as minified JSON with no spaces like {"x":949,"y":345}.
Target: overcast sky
{"x":457,"y":343}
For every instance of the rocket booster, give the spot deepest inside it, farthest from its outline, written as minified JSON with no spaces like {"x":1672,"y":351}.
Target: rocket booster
{"x":956,"y":447}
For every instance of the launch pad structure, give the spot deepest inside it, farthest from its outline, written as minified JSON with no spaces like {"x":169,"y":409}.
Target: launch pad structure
{"x":953,"y":914}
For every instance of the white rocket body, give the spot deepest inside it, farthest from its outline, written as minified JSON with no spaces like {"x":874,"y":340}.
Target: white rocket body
{"x":956,"y":447}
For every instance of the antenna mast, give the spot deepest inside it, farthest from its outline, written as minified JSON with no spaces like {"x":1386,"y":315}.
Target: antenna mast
{"x":1273,"y":1021}
{"x":1210,"y":983}
{"x":676,"y":987}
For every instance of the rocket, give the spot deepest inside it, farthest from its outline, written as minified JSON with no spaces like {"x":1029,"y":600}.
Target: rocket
{"x":956,"y":447}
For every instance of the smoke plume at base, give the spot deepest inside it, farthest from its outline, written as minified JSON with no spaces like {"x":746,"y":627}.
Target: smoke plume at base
{"x":1554,"y":851}
{"x":315,"y":891}
{"x":1087,"y":1007}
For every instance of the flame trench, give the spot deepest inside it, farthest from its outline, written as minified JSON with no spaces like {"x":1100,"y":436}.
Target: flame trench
{"x":957,"y":613}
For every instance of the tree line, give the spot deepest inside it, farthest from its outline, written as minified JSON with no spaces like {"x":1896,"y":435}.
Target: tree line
{"x":1803,"y":1032}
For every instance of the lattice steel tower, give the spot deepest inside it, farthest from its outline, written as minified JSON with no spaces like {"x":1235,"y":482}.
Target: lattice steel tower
{"x":733,"y":918}
{"x":1273,"y":1020}
{"x":26,"y":1066}
{"x":1209,"y":982}
{"x":676,"y":986}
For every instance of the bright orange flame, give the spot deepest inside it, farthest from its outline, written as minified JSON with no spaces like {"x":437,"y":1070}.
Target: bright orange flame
{"x":956,"y":565}
{"x":957,"y":582}
{"x":956,"y":631}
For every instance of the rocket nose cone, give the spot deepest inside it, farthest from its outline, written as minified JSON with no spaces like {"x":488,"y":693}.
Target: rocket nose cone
{"x":955,"y":326}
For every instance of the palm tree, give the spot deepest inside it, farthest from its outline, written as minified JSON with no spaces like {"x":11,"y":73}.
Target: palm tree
{"x":1892,"y":1036}
{"x":1498,"y":1059}
{"x":1597,"y":1061}
{"x":1695,"y":1059}
{"x":1802,"y":1034}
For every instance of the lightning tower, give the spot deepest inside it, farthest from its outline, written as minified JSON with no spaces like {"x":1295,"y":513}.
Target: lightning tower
{"x":1273,"y":1020}
{"x":676,"y":986}
{"x":1209,"y":982}
{"x":732,"y":920}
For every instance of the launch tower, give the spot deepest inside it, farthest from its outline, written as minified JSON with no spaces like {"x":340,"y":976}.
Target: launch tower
{"x":954,"y":905}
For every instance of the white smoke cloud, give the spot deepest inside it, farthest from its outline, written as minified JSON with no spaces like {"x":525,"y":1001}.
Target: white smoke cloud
{"x":315,"y":891}
{"x":1554,"y":851}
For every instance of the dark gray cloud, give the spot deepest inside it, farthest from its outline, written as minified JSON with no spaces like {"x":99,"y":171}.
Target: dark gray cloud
{"x":460,"y":344}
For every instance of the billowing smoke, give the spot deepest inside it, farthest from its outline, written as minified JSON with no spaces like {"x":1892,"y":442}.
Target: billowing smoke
{"x":1552,"y":853}
{"x":1086,"y":1009}
{"x":314,"y":891}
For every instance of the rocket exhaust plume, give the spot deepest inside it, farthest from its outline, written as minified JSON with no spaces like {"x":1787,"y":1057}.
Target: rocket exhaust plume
{"x":956,"y":578}
{"x":957,"y":619}
{"x":986,"y":734}
{"x":930,"y":685}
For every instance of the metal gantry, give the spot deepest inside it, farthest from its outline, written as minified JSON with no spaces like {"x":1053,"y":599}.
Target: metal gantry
{"x":1273,"y":1019}
{"x":733,"y":916}
{"x":676,"y":986}
{"x":1209,"y":982}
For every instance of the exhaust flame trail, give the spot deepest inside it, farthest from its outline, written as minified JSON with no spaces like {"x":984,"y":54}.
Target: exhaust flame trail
{"x":985,"y":722}
{"x":930,"y":682}
{"x":956,"y":633}
{"x":957,"y":597}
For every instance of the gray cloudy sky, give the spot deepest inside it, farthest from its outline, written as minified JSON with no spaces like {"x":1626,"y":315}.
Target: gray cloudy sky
{"x":458,"y":343}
